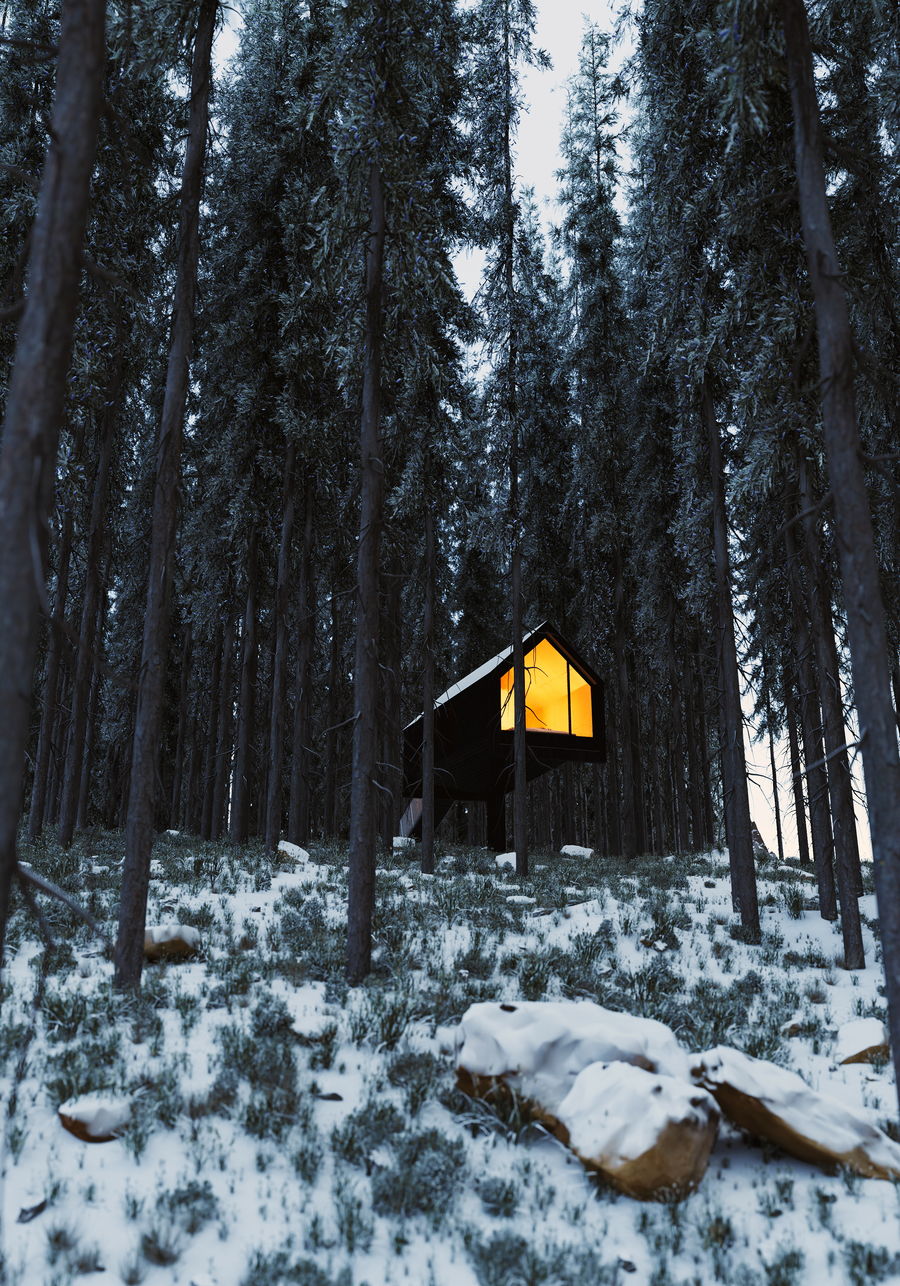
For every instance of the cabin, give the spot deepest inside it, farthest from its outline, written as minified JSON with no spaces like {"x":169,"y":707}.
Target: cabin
{"x":473,"y":730}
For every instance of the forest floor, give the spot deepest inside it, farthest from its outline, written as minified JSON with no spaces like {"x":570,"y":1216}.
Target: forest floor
{"x":286,"y":1129}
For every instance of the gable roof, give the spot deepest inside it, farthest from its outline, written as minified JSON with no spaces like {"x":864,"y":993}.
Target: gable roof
{"x":544,"y":630}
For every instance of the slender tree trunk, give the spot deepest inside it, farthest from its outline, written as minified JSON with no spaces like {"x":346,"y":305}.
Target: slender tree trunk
{"x":336,"y":651}
{"x":796,"y":773}
{"x":84,"y":789}
{"x":840,"y":780}
{"x":428,"y":692}
{"x":41,"y":781}
{"x":623,"y":725}
{"x":243,"y":746}
{"x":211,"y":738}
{"x":391,"y":771}
{"x":181,"y":738}
{"x":36,"y":395}
{"x":734,"y":768}
{"x":776,"y":803}
{"x":87,"y":634}
{"x":298,"y":807}
{"x":148,"y":719}
{"x":361,"y":905}
{"x":280,"y":658}
{"x":853,"y":523}
{"x":222,"y":765}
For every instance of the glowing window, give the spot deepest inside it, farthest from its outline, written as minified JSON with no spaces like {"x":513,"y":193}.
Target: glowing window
{"x":557,"y":697}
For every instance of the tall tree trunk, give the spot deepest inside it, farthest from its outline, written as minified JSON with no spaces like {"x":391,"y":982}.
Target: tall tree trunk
{"x":181,"y":737}
{"x":391,"y":770}
{"x":84,"y":788}
{"x":87,"y":634}
{"x":776,"y":803}
{"x":840,"y":780}
{"x":36,"y":396}
{"x":211,"y":737}
{"x":623,"y":724}
{"x":223,"y":724}
{"x":335,"y":655}
{"x":734,"y":767}
{"x":243,"y":743}
{"x":796,"y":773}
{"x":298,"y":806}
{"x":274,"y":800}
{"x":361,"y":904}
{"x":428,"y":690}
{"x":853,"y":523}
{"x":40,"y":783}
{"x":148,"y":718}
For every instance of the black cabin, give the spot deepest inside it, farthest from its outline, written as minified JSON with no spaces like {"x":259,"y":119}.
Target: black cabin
{"x":473,"y":729}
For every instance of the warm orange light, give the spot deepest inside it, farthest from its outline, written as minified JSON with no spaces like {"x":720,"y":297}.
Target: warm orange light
{"x":557,"y":697}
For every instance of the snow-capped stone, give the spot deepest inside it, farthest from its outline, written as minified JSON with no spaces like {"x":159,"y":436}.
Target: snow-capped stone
{"x":505,"y":859}
{"x":95,"y":1118}
{"x":537,"y":1047}
{"x":521,"y":899}
{"x":171,"y":942}
{"x":650,"y":1135}
{"x":576,"y":850}
{"x":402,"y":841}
{"x":293,"y":851}
{"x":173,"y":832}
{"x":778,"y":1105}
{"x":864,"y":1040}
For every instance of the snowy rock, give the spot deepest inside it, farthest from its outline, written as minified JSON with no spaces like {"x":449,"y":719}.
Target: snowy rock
{"x":173,"y":832}
{"x":575,"y":850}
{"x":521,"y":899}
{"x":506,"y":859}
{"x":95,"y":1118}
{"x":293,"y":851}
{"x":171,"y":942}
{"x":649,"y":1135}
{"x":402,"y":841}
{"x":537,"y":1048}
{"x":778,"y":1105}
{"x":157,"y":871}
{"x":864,"y":1040}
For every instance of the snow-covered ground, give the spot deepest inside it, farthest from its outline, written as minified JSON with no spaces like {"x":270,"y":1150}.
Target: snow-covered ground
{"x":286,"y":1129}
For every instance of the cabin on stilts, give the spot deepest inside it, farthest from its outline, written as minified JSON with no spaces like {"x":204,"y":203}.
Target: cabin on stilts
{"x":473,"y":730}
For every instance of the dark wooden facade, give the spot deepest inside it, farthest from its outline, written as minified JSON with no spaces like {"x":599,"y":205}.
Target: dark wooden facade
{"x":474,"y":751}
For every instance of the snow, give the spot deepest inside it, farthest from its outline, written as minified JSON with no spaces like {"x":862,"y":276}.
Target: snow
{"x":575,"y":850}
{"x":539,"y":1047}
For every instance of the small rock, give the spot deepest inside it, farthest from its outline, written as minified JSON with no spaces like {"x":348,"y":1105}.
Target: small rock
{"x":293,"y":851}
{"x":95,"y":1118}
{"x":864,"y":1040}
{"x":171,"y":942}
{"x":333,"y":1097}
{"x":576,"y":850}
{"x":400,"y":842}
{"x":794,"y":1026}
{"x":27,"y":1213}
{"x":521,"y":899}
{"x":506,"y":859}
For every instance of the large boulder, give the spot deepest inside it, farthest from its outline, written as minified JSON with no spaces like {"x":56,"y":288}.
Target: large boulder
{"x":537,"y":1048}
{"x":649,"y":1135}
{"x":864,"y":1040}
{"x":291,"y":852}
{"x":779,"y":1106}
{"x":576,"y":850}
{"x":95,"y":1118}
{"x":171,"y":942}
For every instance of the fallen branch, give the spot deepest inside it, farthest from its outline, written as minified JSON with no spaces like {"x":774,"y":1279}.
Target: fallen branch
{"x":28,"y":876}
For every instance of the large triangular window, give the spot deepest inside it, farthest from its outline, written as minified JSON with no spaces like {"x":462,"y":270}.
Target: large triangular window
{"x":557,"y":696}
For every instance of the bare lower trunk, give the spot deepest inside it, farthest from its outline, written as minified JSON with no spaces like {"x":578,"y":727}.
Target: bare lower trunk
{"x":41,"y":781}
{"x":217,"y":821}
{"x":181,"y":738}
{"x":796,"y":774}
{"x":148,"y":718}
{"x":298,"y":806}
{"x":853,"y":525}
{"x":279,"y":659}
{"x":36,"y":396}
{"x":87,"y":635}
{"x":734,"y":768}
{"x":243,"y":742}
{"x":428,"y":697}
{"x":361,"y":904}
